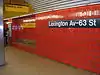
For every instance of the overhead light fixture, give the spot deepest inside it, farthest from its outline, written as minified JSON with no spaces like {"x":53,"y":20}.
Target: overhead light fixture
{"x":8,"y":22}
{"x":29,"y":20}
{"x":49,"y":17}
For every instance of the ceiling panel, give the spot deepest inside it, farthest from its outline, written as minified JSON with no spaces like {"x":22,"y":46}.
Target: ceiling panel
{"x":46,"y":5}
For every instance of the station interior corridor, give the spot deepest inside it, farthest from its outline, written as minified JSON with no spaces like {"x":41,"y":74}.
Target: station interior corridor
{"x":23,"y":63}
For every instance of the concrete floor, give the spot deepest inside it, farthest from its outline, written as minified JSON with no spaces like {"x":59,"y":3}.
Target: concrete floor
{"x":23,"y":63}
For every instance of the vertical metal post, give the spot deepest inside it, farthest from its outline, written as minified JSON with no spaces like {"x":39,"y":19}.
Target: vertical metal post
{"x":2,"y":50}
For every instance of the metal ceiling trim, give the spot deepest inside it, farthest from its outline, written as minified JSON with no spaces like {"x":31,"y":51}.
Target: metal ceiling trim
{"x":64,"y":6}
{"x":57,"y":3}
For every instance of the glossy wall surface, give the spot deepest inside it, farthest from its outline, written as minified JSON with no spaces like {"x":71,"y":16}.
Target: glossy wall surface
{"x":79,"y":47}
{"x":2,"y":59}
{"x":24,"y":37}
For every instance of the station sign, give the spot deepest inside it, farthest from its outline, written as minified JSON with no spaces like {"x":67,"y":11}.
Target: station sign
{"x":28,"y":25}
{"x":17,"y":8}
{"x":78,"y":17}
{"x":83,"y":23}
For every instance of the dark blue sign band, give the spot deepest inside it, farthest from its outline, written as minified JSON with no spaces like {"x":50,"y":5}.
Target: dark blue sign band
{"x":84,"y":23}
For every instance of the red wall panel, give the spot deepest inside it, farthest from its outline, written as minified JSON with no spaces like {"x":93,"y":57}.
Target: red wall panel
{"x":79,"y":47}
{"x":22,"y":33}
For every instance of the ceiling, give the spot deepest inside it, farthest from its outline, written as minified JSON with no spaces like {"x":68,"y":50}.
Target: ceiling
{"x":12,"y":13}
{"x":45,"y":5}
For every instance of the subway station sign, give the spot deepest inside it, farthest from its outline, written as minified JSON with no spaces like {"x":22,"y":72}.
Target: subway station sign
{"x":78,"y":17}
{"x":28,"y":25}
{"x":17,"y":8}
{"x":83,"y":23}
